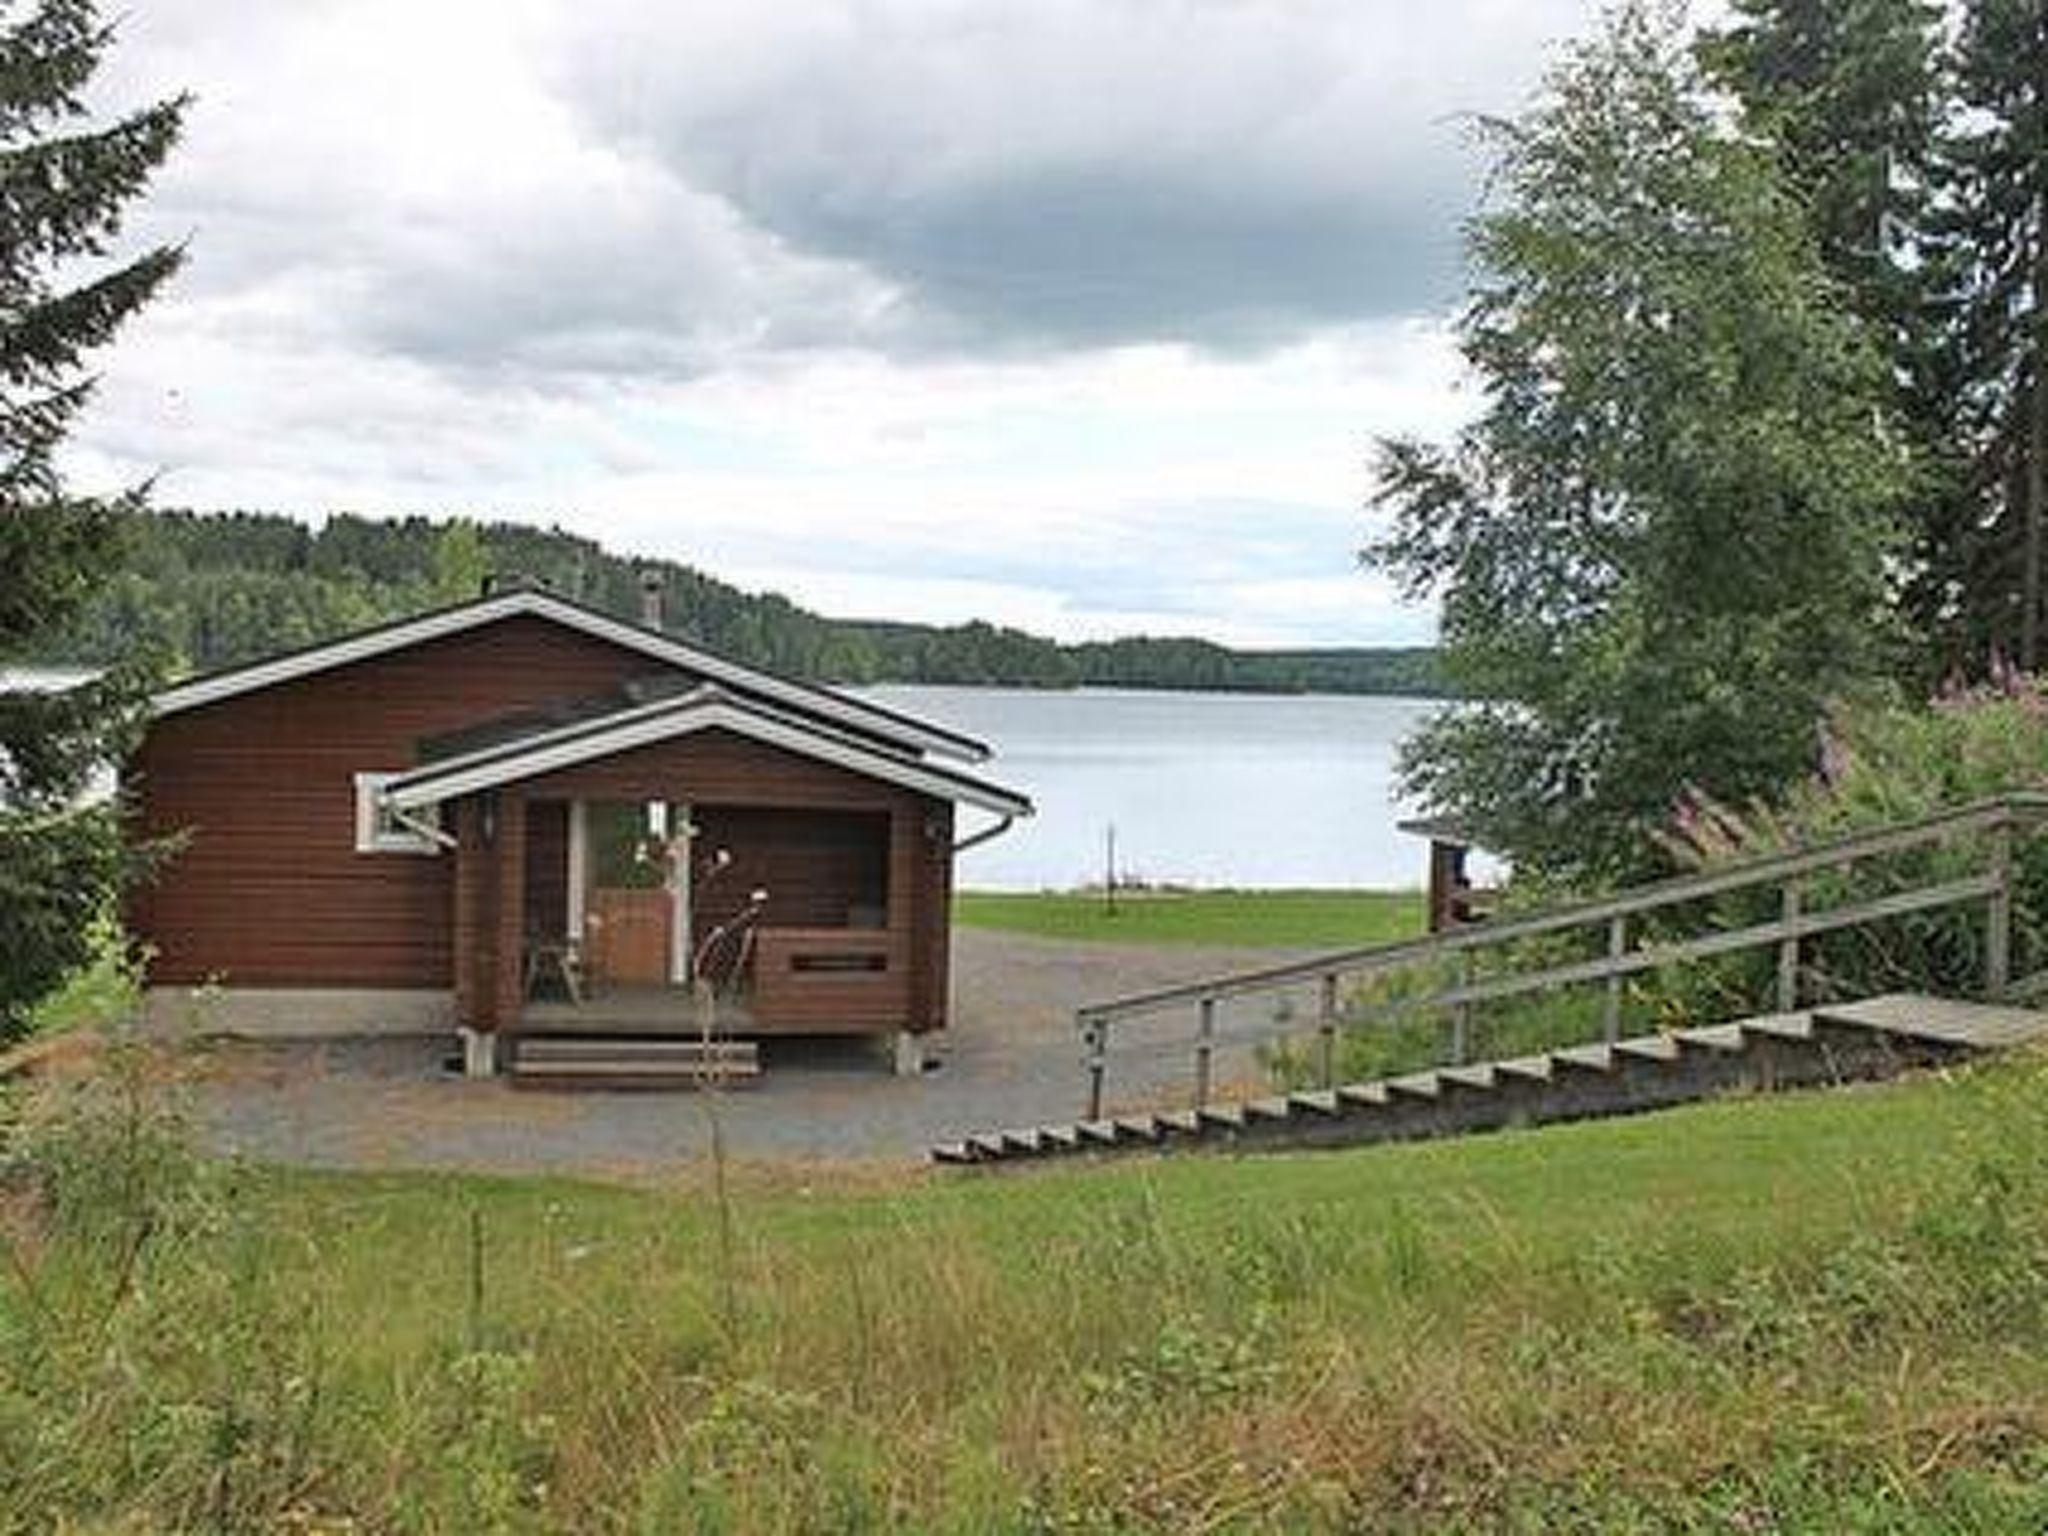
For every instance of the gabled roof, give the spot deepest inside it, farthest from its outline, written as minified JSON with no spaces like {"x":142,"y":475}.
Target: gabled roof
{"x":705,"y":708}
{"x":807,"y":698}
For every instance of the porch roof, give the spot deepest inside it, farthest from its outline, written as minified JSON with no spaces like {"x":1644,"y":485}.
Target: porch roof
{"x":553,"y":745}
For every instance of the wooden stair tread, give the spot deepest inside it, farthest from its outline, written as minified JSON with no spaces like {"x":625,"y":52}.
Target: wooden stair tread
{"x":1586,"y":1058}
{"x":1480,"y":1077}
{"x":1719,"y":1037}
{"x":1534,"y":1069}
{"x":1363,"y":1095}
{"x":1657,"y":1048}
{"x":1414,"y":1085}
{"x":1797,"y":1025}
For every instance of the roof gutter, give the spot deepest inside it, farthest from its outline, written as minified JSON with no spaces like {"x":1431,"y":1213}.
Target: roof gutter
{"x":986,"y":834}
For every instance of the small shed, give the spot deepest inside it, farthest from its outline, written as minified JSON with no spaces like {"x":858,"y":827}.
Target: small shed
{"x":1453,"y":899}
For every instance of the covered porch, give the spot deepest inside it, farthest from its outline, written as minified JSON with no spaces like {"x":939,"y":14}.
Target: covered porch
{"x":608,"y":874}
{"x":607,"y":916}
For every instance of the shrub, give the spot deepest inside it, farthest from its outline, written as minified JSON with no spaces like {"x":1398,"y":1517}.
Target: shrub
{"x":1879,"y":767}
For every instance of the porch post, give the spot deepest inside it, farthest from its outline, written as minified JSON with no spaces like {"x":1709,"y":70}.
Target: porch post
{"x":579,"y":867}
{"x":508,"y":970}
{"x":470,"y":940}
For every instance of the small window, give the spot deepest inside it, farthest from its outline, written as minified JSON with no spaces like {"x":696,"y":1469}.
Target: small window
{"x":378,"y":831}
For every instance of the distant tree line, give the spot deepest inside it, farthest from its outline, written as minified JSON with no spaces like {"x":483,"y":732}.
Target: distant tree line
{"x":211,"y":589}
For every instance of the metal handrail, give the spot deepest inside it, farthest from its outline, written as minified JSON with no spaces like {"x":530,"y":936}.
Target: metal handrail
{"x":2000,"y":815}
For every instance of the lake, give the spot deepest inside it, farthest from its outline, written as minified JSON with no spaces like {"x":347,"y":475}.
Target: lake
{"x":1202,"y":788}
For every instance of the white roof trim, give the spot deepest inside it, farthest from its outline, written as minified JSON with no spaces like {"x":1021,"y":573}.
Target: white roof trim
{"x":436,"y":782}
{"x":453,"y":621}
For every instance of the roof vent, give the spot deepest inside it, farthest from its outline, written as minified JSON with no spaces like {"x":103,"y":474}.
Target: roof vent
{"x":650,"y":597}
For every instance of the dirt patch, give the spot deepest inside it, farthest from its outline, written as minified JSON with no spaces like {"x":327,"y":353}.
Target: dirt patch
{"x":1012,"y":1058}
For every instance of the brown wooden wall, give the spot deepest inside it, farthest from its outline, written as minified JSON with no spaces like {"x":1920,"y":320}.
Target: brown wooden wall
{"x":269,"y":889}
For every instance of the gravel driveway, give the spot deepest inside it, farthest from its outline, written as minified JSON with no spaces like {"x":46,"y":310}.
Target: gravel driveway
{"x":1011,"y":1059}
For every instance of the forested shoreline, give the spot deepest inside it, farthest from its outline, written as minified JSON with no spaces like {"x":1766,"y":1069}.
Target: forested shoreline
{"x":211,"y":589}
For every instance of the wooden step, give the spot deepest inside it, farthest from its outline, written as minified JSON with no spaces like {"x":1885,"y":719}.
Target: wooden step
{"x":1416,"y":1085}
{"x":1363,"y":1095}
{"x":1478,"y":1079}
{"x":1654,"y":1048}
{"x":566,"y":1048}
{"x":1796,"y":1026}
{"x":1724,"y":1039}
{"x":1525,"y":1069}
{"x":1583,"y":1058}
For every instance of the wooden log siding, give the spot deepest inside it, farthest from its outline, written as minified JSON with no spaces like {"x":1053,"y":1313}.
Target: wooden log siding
{"x":268,"y":888}
{"x":816,"y":866}
{"x":547,"y":867}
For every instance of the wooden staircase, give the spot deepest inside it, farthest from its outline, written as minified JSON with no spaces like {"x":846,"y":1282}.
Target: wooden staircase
{"x":632,"y":1061}
{"x":1847,"y":1042}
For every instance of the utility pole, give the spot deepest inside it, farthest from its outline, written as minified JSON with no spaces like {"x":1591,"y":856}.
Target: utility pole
{"x":2037,"y":446}
{"x":1109,"y":870}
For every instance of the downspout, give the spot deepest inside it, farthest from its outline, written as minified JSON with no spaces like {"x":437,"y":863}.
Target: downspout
{"x":985,"y":835}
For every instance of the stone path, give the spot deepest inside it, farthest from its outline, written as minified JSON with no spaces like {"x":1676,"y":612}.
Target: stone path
{"x":1011,"y":1059}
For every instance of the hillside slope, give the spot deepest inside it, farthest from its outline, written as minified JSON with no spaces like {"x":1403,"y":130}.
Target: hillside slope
{"x":1823,"y":1311}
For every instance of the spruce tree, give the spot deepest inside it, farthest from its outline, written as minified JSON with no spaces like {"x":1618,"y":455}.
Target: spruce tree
{"x":65,"y":178}
{"x":1852,"y":97}
{"x":1990,"y":250}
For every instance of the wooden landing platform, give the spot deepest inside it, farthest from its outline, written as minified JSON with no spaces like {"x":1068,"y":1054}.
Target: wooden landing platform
{"x":1983,"y":1026}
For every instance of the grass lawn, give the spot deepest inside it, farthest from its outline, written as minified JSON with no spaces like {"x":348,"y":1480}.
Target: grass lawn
{"x":1334,"y":919}
{"x":1822,"y":1312}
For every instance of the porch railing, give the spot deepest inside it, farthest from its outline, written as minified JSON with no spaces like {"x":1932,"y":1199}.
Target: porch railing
{"x":1625,"y":952}
{"x":830,"y":976}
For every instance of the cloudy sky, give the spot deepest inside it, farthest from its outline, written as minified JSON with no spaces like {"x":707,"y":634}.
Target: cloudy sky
{"x":1074,"y":314}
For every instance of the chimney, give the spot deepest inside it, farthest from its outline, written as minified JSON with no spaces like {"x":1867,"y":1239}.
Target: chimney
{"x":650,"y":597}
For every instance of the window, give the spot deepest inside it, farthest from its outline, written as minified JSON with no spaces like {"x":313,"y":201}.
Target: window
{"x":378,"y":831}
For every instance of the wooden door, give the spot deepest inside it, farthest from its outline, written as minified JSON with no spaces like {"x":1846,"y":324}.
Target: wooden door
{"x":627,"y":936}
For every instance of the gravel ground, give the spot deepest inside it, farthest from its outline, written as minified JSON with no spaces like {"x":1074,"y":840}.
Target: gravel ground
{"x":1010,"y":1059}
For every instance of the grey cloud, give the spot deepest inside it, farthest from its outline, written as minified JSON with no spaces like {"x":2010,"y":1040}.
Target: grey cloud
{"x":648,"y":190}
{"x":1075,"y":174}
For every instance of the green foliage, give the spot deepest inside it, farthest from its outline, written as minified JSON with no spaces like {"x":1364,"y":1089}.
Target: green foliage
{"x":67,"y":180}
{"x":1885,"y":765}
{"x":1660,"y":548}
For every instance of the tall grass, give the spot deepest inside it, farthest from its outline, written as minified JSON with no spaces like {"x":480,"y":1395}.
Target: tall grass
{"x":1822,"y":1312}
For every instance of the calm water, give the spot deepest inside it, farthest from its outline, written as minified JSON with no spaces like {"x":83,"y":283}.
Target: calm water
{"x":1204,"y":788}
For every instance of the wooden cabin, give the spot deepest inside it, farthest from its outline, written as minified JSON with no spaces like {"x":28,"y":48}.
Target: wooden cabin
{"x":521,"y":813}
